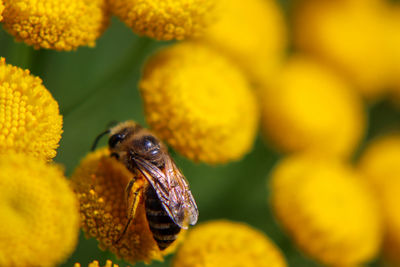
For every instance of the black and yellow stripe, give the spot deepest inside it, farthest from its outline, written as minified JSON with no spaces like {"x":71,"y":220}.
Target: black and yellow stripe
{"x":164,"y":230}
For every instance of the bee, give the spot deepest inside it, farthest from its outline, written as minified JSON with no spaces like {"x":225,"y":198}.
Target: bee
{"x":169,"y":204}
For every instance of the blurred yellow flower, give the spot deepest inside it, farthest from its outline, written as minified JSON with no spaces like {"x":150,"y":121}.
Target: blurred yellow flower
{"x":39,"y":219}
{"x":29,"y":118}
{"x":380,"y":163}
{"x":100,"y":182}
{"x":97,"y":264}
{"x":350,"y":36}
{"x":1,"y":9}
{"x":166,"y":19}
{"x":327,"y":209}
{"x":225,"y":243}
{"x":252,"y":33}
{"x":56,"y":24}
{"x":309,"y":107}
{"x":200,"y":103}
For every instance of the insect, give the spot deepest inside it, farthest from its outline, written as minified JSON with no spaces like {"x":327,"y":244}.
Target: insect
{"x":169,"y":204}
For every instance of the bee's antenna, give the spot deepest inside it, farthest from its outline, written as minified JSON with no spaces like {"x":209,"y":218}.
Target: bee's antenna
{"x":98,"y":139}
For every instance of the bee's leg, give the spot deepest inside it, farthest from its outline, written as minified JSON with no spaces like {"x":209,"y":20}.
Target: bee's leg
{"x":133,"y":192}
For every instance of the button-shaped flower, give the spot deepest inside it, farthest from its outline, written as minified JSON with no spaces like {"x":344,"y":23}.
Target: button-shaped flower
{"x":327,"y":208}
{"x":56,"y":24}
{"x":97,"y":264}
{"x":100,"y":182}
{"x":166,"y":19}
{"x":1,"y":9}
{"x":380,"y":163}
{"x":225,"y":243}
{"x":309,"y":107}
{"x":39,"y":218}
{"x":252,"y":33}
{"x":350,"y":36}
{"x":200,"y":103}
{"x":29,"y":117}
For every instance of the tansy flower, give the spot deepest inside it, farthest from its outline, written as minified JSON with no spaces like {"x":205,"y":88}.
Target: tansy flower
{"x":308,"y":107}
{"x":38,"y":213}
{"x":96,"y":264}
{"x":100,"y":182}
{"x":166,"y":19}
{"x":381,"y":165}
{"x":225,"y":243}
{"x":56,"y":24}
{"x":350,"y":36}
{"x":200,"y":103}
{"x":327,"y":209}
{"x":252,"y":33}
{"x":29,"y":118}
{"x":1,"y":9}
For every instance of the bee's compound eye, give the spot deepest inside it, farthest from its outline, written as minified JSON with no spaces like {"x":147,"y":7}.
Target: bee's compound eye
{"x":115,"y":139}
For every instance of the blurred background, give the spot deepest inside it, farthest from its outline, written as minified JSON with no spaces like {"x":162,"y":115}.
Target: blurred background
{"x":356,"y":44}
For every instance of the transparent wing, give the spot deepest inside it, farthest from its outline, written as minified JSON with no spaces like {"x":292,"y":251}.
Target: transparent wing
{"x":183,"y":206}
{"x":172,"y":189}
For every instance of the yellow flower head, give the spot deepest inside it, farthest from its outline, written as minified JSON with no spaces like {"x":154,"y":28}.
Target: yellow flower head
{"x":97,"y":264}
{"x":200,"y":103}
{"x":56,"y":24}
{"x":39,"y":219}
{"x":310,"y":108}
{"x":327,"y":209}
{"x":225,"y":243}
{"x":381,"y":165}
{"x":252,"y":33}
{"x":100,"y":183}
{"x":29,"y":118}
{"x":166,"y":19}
{"x":1,"y":9}
{"x":348,"y":35}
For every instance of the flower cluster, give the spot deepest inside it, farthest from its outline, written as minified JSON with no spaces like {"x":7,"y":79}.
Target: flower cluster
{"x":29,"y":120}
{"x":39,"y":211}
{"x":1,"y":9}
{"x":56,"y":24}
{"x":211,"y":99}
{"x":309,"y":107}
{"x":167,"y":19}
{"x":226,"y":243}
{"x":327,"y":208}
{"x":380,"y":164}
{"x":307,"y":77}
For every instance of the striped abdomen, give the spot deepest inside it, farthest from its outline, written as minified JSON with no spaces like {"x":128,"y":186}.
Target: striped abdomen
{"x":164,"y":230}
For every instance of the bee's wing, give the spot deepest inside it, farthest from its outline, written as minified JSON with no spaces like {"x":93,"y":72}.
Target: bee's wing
{"x":172,"y":190}
{"x":183,"y":205}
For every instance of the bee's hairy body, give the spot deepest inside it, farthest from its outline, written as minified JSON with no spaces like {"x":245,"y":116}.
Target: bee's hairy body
{"x":169,"y":203}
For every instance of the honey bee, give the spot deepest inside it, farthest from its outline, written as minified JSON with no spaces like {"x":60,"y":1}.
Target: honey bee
{"x":169,"y":204}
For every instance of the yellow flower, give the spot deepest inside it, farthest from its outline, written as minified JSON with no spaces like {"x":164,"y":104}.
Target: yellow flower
{"x":308,"y":107}
{"x":39,"y":219}
{"x":1,"y":9}
{"x":380,"y":163}
{"x":96,"y":264}
{"x":100,"y":183}
{"x":327,"y":209}
{"x":225,"y":243}
{"x":56,"y":24}
{"x":252,"y":33}
{"x":29,"y":118}
{"x":350,"y":36}
{"x":166,"y":19}
{"x":200,"y":103}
